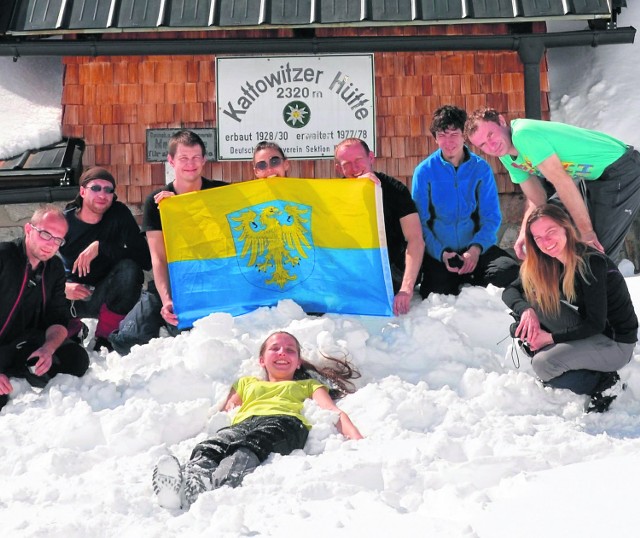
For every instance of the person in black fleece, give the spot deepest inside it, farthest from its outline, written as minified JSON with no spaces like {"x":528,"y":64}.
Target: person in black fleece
{"x":34,"y":311}
{"x":573,"y":306}
{"x":405,"y":244}
{"x":104,"y":256}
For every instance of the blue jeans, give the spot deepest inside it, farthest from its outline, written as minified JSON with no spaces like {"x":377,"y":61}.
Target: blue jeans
{"x":142,"y":323}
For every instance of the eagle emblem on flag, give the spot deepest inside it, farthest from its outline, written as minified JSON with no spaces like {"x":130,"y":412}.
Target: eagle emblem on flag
{"x":274,"y":243}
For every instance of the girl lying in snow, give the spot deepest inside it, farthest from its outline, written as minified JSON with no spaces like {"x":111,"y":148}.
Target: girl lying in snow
{"x":269,"y":420}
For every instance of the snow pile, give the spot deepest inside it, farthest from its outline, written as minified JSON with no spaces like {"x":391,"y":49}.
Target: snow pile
{"x":597,"y":87}
{"x":30,"y":104}
{"x":457,"y":438}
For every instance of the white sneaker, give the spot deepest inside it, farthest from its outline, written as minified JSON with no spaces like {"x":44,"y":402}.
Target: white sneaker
{"x":168,"y":482}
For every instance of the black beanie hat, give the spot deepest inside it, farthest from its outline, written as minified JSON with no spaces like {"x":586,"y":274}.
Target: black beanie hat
{"x":94,"y":172}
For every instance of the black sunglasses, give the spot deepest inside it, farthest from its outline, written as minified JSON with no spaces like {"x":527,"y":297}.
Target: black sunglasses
{"x":273,"y":162}
{"x":98,"y":188}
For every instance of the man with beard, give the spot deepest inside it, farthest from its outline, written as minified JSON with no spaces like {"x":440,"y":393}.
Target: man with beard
{"x":104,"y":256}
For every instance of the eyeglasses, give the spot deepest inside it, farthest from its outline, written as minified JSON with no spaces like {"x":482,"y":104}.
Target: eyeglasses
{"x":273,"y":162}
{"x":98,"y":188}
{"x":49,"y":237}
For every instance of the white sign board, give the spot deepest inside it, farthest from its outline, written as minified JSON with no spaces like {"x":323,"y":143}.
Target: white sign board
{"x":306,"y":104}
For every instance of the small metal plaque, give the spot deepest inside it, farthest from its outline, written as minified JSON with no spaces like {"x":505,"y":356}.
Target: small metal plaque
{"x":158,"y":139}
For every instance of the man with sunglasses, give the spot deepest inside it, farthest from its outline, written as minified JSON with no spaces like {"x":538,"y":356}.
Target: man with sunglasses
{"x":405,"y":245}
{"x":34,"y":311}
{"x":104,"y":256}
{"x":154,"y":310}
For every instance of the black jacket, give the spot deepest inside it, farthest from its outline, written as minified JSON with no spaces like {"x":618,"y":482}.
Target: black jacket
{"x":29,"y":299}
{"x":603,"y":303}
{"x":119,"y":237}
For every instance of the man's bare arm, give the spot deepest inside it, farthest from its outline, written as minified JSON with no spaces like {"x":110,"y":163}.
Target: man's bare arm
{"x":160,"y":269}
{"x":571,"y":198}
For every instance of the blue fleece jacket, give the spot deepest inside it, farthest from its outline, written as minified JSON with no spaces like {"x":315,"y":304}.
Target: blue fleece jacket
{"x":457,"y":208}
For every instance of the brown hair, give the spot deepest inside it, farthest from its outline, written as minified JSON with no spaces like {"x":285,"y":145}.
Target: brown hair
{"x":186,"y":138}
{"x":447,"y":117}
{"x":480,"y":114}
{"x":541,"y":273}
{"x":96,"y":172}
{"x":268,"y":145}
{"x":338,"y":376}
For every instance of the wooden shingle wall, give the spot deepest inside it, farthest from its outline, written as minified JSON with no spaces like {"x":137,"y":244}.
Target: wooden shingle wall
{"x":112,"y":101}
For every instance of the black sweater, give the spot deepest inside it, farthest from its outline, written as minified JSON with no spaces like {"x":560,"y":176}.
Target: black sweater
{"x":31,"y":299}
{"x":603,"y":303}
{"x":119,"y":237}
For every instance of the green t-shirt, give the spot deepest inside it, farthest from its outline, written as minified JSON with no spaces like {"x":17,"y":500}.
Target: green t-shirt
{"x":264,"y":398}
{"x":583,"y":153}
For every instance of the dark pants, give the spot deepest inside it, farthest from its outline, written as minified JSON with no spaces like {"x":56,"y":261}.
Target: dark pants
{"x":581,"y":381}
{"x":142,"y":323}
{"x":69,"y":358}
{"x":236,"y":451}
{"x":119,"y":291}
{"x":261,"y":435}
{"x":495,"y":266}
{"x":613,"y":201}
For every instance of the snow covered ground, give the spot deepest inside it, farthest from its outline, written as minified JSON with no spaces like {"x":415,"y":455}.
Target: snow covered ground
{"x":459,"y":441}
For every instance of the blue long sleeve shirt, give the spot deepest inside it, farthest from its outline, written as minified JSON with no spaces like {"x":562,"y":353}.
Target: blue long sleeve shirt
{"x":457,"y":207}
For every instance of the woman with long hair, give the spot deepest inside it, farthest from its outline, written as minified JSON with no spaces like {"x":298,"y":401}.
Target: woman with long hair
{"x":574,"y":309}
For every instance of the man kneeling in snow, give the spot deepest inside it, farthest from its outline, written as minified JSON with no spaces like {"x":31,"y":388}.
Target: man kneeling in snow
{"x":34,"y":311}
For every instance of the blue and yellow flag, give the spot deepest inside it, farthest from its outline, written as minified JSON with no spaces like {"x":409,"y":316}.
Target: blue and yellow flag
{"x":319,"y":242}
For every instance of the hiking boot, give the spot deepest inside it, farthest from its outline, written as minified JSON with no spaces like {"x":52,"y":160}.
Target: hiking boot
{"x":37,"y":381}
{"x":609,"y":388}
{"x":167,"y":482}
{"x":81,"y":335}
{"x":607,"y":381}
{"x":100,"y":343}
{"x":196,"y":481}
{"x":598,"y":403}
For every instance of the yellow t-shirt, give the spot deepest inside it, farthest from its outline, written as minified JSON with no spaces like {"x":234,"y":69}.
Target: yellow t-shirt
{"x":264,"y":398}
